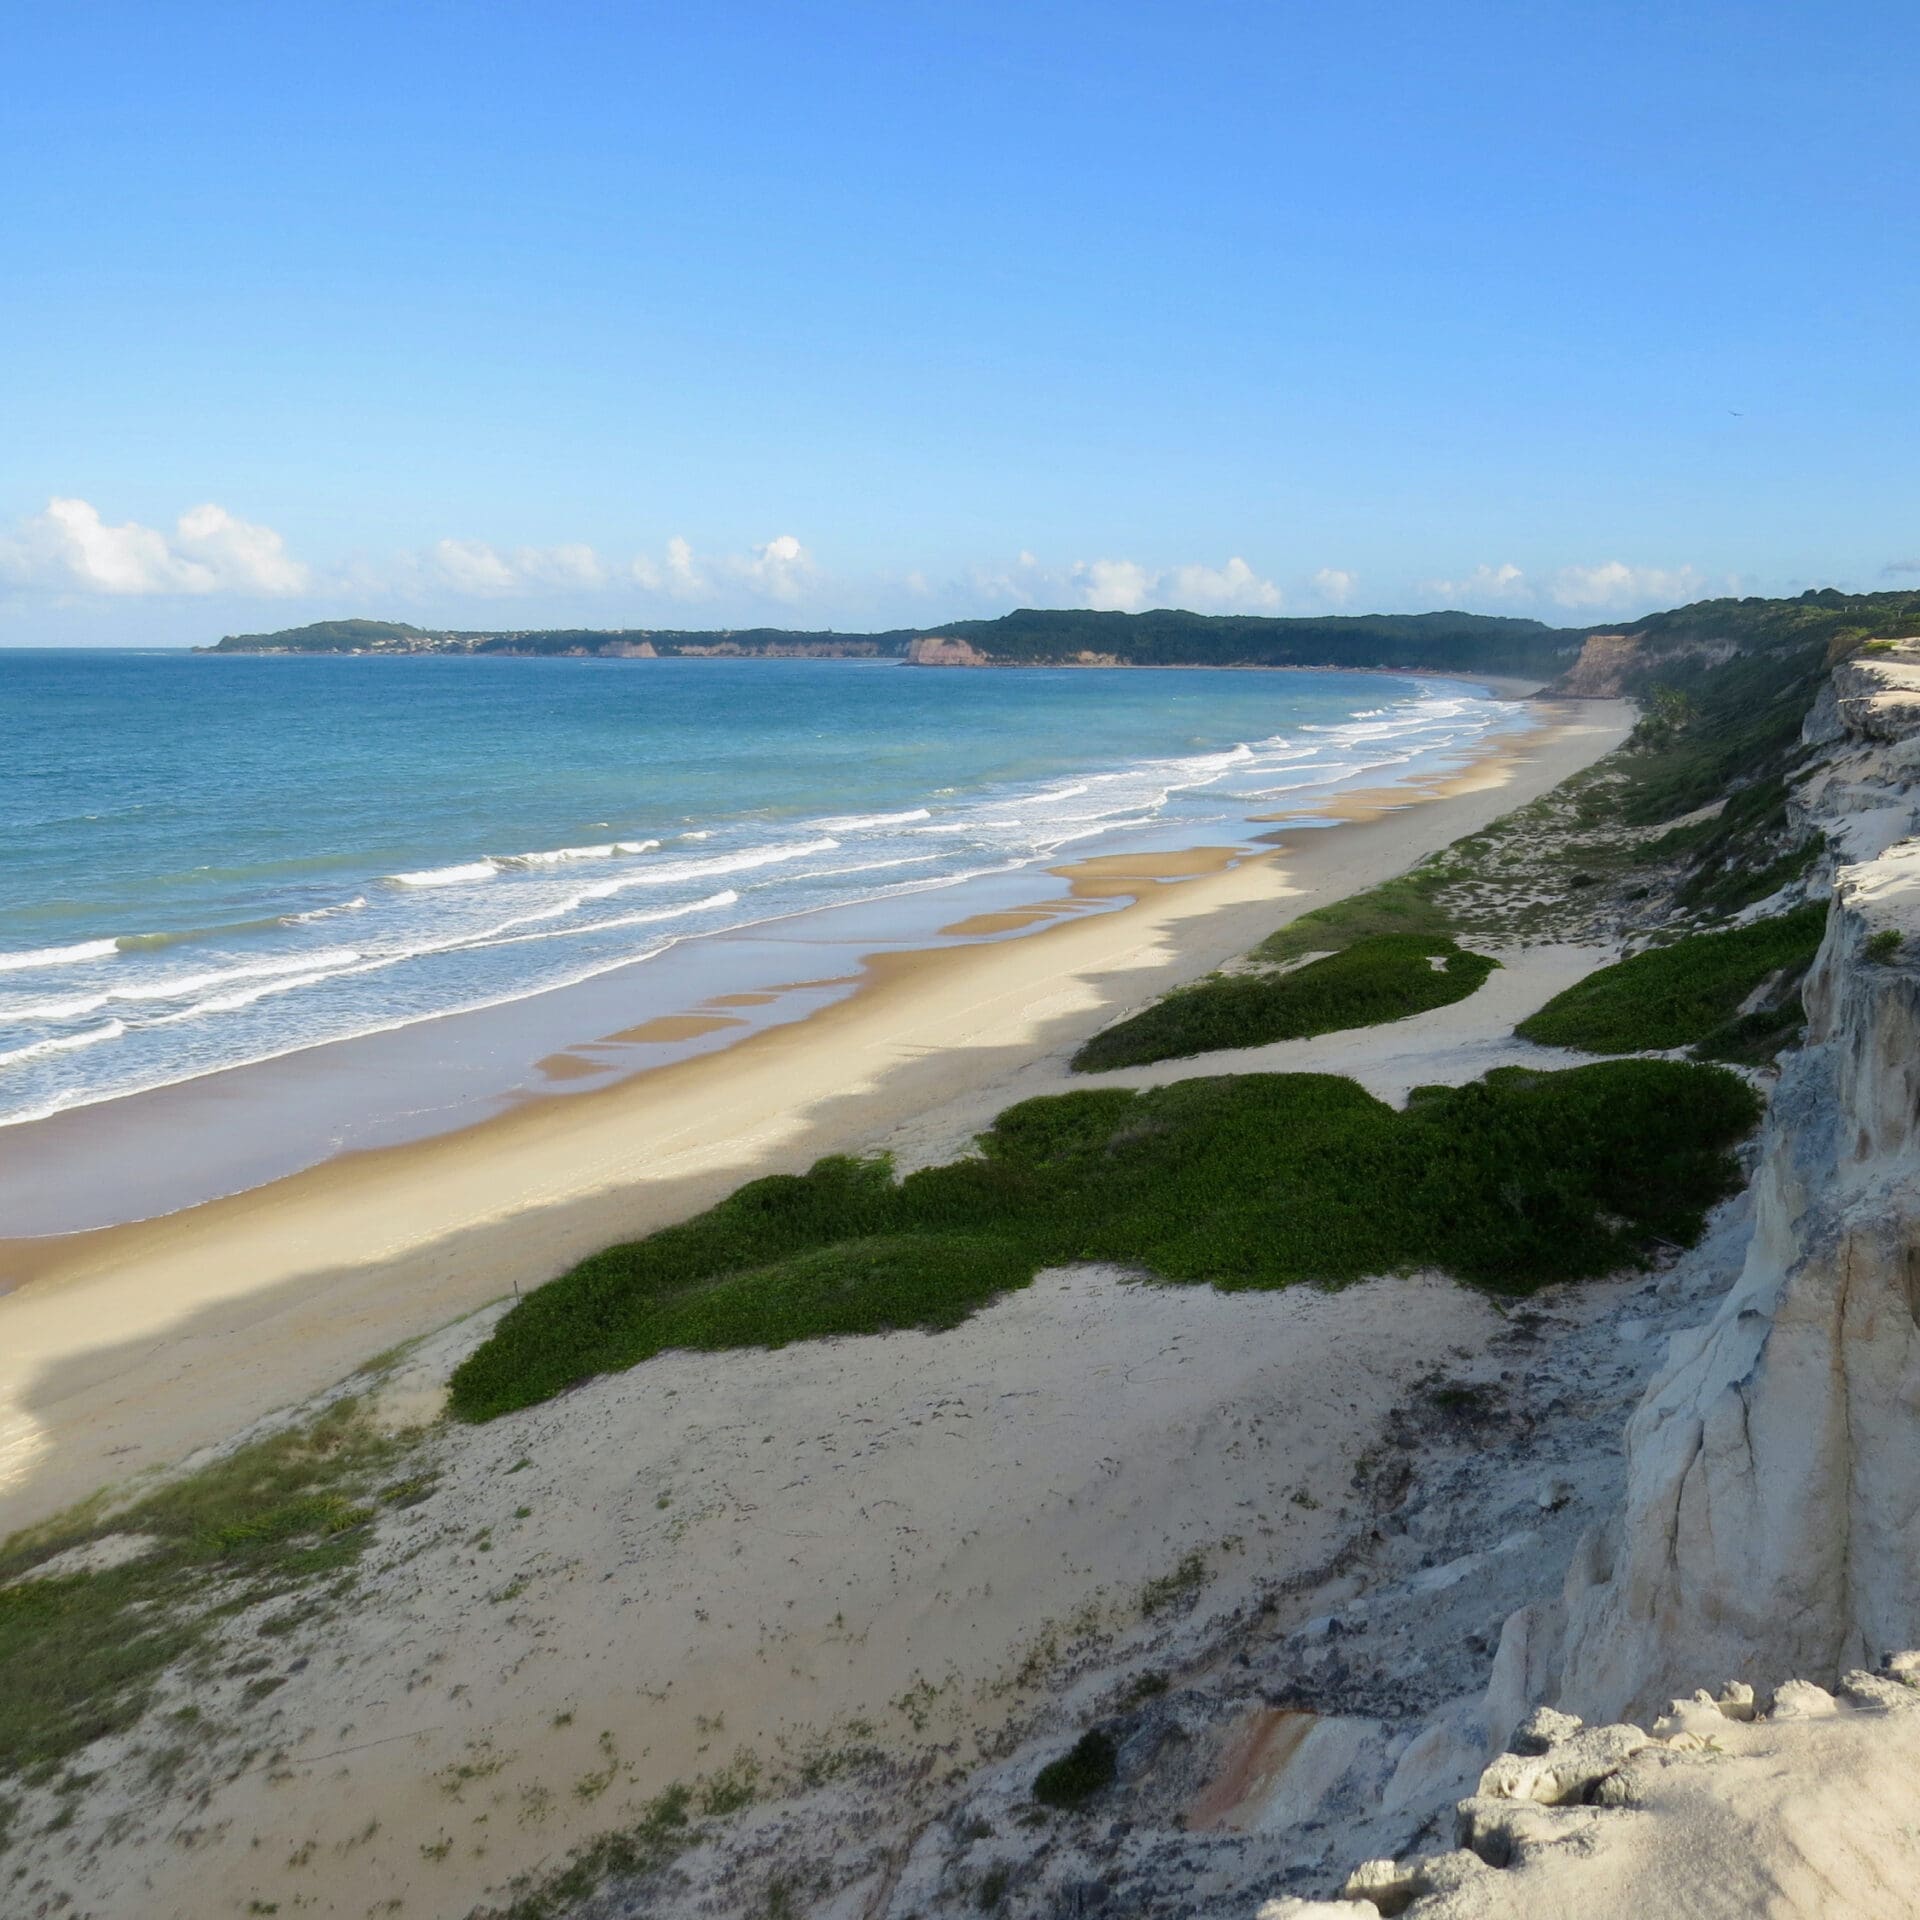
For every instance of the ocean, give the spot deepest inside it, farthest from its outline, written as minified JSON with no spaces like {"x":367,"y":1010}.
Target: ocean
{"x":208,"y":861}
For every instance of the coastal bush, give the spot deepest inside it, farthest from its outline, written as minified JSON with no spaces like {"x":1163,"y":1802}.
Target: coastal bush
{"x":1091,"y":1763}
{"x":1743,"y":723}
{"x":1755,"y":1039}
{"x":1380,"y":978}
{"x":1403,"y":905}
{"x":1678,"y":995}
{"x":1256,"y":1180}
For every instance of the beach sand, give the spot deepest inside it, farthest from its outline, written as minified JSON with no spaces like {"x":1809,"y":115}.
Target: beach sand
{"x":898,"y":1546}
{"x":128,"y":1348}
{"x":891,"y":1555}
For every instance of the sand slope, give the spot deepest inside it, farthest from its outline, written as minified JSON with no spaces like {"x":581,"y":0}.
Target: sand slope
{"x":722,"y":1560}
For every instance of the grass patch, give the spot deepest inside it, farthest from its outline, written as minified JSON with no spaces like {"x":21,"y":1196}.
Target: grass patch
{"x":1403,"y":906}
{"x":1170,"y":1589}
{"x":1678,"y":995}
{"x":79,"y":1654}
{"x":1379,"y":977}
{"x":664,"y":1830}
{"x":1256,"y":1180}
{"x":1755,"y":1039}
{"x":1081,"y":1772}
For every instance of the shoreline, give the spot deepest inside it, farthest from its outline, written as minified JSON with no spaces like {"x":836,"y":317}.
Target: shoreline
{"x":1508,"y":686}
{"x":223,"y":1312}
{"x":202,"y":1134}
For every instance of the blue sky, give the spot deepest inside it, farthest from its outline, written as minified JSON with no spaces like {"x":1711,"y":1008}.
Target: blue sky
{"x":852,"y":315}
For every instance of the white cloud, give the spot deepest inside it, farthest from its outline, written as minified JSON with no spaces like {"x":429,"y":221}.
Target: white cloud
{"x":242,"y":557}
{"x":1235,"y":586}
{"x":1334,"y":585}
{"x":69,"y":548}
{"x":1615,"y":584}
{"x":782,"y":569}
{"x":1505,"y":582}
{"x":1611,"y":586}
{"x":471,"y":566}
{"x":1126,"y":586}
{"x":573,"y":564}
{"x":684,"y":578}
{"x":1114,"y":586}
{"x":779,"y":569}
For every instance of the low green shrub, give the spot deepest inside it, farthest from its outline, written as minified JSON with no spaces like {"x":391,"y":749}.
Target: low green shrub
{"x":1677,"y":995}
{"x":1754,"y":1039}
{"x":1378,"y":978}
{"x":1256,"y":1180}
{"x":1402,"y":905}
{"x":1081,"y":1772}
{"x":1737,"y":884}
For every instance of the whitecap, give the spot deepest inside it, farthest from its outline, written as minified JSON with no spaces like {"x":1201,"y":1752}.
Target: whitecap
{"x":725,"y":899}
{"x":172,"y":988}
{"x":562,"y":856}
{"x":667,"y":872}
{"x":66,"y":1042}
{"x":446,"y":876}
{"x":860,"y":822}
{"x":57,"y":956}
{"x":233,"y":1002}
{"x":323,"y":913}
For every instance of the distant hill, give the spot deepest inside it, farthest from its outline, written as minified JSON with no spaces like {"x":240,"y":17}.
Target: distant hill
{"x":326,"y":636}
{"x":1800,"y":636}
{"x":1673,"y":647}
{"x":1458,"y":642}
{"x":1437,"y":642}
{"x":395,"y":636}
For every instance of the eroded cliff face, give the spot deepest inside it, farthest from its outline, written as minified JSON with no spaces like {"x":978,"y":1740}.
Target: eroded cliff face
{"x":941,"y":650}
{"x":1608,"y":664}
{"x":1773,"y":1479}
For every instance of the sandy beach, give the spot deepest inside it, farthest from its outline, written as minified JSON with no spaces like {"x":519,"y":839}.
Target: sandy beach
{"x":127,"y":1348}
{"x":798,"y":1577}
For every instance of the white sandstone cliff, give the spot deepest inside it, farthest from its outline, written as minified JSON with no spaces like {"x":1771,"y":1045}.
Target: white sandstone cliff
{"x":1773,"y":1473}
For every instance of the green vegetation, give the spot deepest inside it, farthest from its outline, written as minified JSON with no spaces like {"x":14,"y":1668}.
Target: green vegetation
{"x":1680,"y":995}
{"x":1720,"y":738}
{"x":1755,"y":1039}
{"x":1743,"y":725}
{"x":1258,"y":1180}
{"x":1377,"y":979}
{"x":80,"y":1652}
{"x":1822,"y":620}
{"x":1072,"y":1780}
{"x":1170,"y":1589}
{"x":1405,"y":906}
{"x":1436,"y":642}
{"x":1679,"y":649}
{"x":663,"y":1830}
{"x":325,"y":636}
{"x":1882,"y":946}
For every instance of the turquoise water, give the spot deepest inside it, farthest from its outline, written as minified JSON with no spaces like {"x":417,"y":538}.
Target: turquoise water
{"x":208,"y":861}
